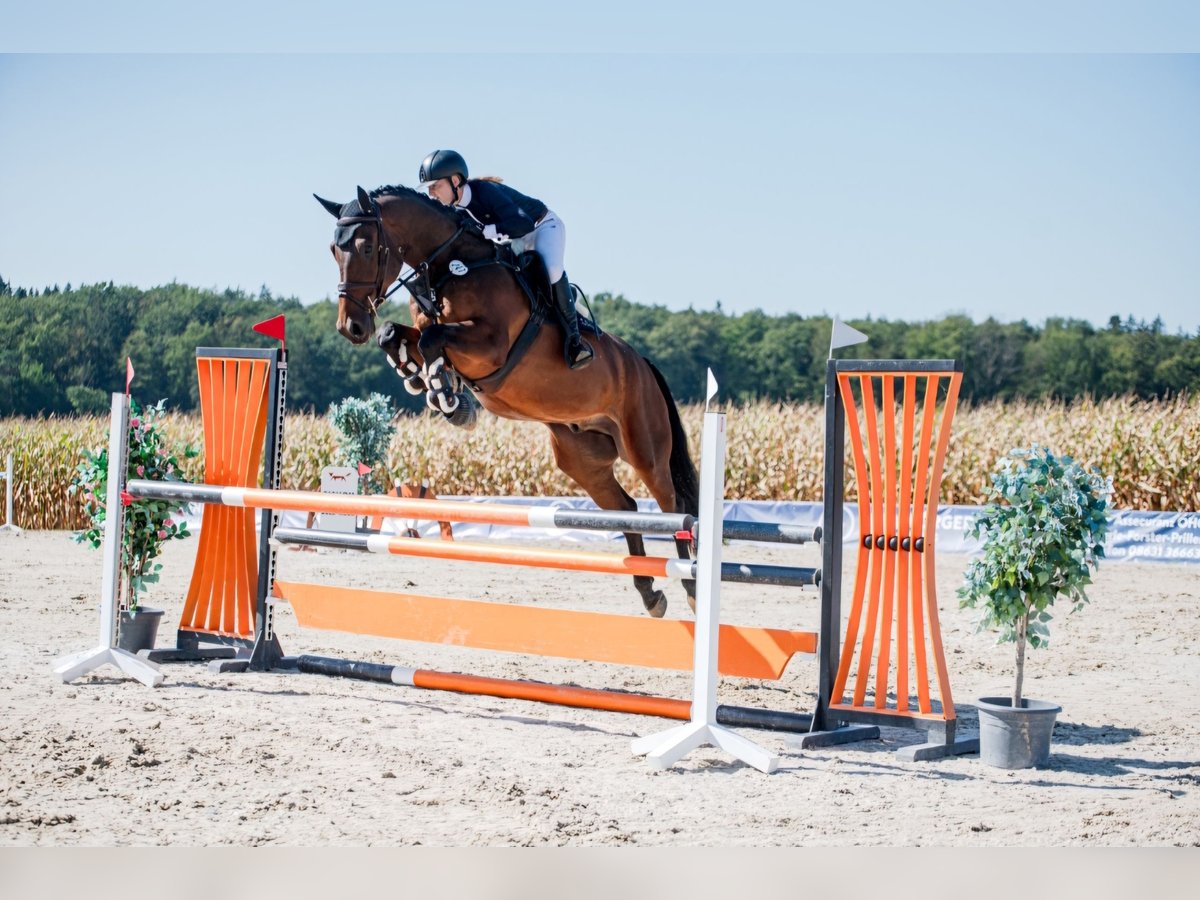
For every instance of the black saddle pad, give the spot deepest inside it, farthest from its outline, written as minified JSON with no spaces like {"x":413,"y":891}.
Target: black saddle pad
{"x":586,"y":325}
{"x":533,"y":268}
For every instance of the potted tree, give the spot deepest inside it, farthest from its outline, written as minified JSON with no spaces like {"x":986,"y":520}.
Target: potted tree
{"x":1043,"y":532}
{"x":148,"y":523}
{"x":365,"y":429}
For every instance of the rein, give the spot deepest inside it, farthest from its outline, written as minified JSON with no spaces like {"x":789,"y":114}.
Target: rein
{"x":426,"y":292}
{"x":418,"y":282}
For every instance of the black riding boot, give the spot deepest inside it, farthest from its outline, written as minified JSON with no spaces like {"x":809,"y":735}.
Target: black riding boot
{"x":576,"y":350}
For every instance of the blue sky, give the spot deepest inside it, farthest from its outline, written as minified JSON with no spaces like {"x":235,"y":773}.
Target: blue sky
{"x":891,"y":184}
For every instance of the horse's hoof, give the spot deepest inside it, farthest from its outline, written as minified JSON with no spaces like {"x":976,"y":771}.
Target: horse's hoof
{"x":443,"y":402}
{"x":414,"y":385}
{"x":656,"y":605}
{"x":465,"y":415}
{"x":390,"y":342}
{"x":386,"y":338}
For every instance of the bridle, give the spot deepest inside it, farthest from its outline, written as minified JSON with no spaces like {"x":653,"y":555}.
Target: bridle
{"x":422,"y":290}
{"x":383,"y":250}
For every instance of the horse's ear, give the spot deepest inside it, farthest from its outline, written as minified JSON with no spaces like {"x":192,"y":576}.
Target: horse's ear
{"x":335,"y":209}
{"x":364,"y":202}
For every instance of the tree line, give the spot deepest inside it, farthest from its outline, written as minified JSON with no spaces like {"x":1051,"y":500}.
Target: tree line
{"x":65,"y":350}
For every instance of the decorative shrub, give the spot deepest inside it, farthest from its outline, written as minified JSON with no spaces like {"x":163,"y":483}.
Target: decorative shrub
{"x":148,"y":523}
{"x":365,"y":429}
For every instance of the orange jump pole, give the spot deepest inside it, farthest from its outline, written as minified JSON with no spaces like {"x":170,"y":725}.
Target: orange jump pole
{"x":559,"y":695}
{"x":539,"y":516}
{"x":568,"y":560}
{"x":415,"y":508}
{"x":500,"y":554}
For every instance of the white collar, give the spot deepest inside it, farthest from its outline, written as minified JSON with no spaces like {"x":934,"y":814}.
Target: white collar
{"x":464,"y":195}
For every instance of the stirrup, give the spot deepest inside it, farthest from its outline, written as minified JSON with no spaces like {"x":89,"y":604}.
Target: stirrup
{"x":582,"y":357}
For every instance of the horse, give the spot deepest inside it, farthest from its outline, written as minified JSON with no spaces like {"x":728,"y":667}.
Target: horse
{"x":475,"y":323}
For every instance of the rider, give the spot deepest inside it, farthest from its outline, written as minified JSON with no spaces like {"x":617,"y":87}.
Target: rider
{"x":505,"y":213}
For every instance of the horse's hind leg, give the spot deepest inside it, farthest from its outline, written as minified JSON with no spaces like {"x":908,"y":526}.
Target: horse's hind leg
{"x":655,"y":445}
{"x":587,"y":457}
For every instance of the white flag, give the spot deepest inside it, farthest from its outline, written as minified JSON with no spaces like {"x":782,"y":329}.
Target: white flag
{"x":712,"y":388}
{"x":844,"y":336}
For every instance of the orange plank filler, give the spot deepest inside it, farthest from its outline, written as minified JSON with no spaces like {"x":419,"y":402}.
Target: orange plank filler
{"x":745,"y":652}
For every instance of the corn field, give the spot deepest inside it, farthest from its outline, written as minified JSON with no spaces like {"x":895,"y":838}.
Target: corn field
{"x":775,"y":452}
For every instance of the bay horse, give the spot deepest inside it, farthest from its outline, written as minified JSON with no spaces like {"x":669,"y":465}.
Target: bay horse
{"x":471,"y":317}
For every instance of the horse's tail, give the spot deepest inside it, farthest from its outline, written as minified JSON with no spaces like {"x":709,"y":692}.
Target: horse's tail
{"x":683,"y":471}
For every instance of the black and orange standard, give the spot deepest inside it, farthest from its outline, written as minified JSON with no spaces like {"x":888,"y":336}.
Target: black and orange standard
{"x":241,"y":403}
{"x":890,"y":669}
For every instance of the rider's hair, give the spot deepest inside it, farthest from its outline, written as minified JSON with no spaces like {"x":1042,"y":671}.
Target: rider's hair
{"x":493,"y":178}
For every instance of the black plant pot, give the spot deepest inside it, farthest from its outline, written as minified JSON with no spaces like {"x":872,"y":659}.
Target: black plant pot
{"x":138,"y":629}
{"x":1015,"y":738}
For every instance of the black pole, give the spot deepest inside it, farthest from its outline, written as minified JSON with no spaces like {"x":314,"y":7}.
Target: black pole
{"x":829,"y":641}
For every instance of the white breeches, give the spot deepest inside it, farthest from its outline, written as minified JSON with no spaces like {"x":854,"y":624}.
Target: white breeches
{"x":549,"y":239}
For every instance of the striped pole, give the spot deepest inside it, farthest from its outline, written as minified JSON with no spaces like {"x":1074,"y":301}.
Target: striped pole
{"x":540,"y":516}
{"x":570,"y":560}
{"x":560,"y":695}
{"x":416,"y":508}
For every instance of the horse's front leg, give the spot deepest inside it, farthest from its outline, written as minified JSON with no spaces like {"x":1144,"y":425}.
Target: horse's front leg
{"x":401,"y":344}
{"x":444,"y":389}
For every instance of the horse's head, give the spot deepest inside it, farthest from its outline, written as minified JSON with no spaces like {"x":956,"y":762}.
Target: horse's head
{"x":367,"y":263}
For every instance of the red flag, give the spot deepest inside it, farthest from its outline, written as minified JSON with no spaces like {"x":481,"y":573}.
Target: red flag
{"x":128,"y":374}
{"x":363,"y":470}
{"x":273,"y":328}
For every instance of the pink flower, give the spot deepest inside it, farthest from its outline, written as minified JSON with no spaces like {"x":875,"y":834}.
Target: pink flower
{"x":141,"y":470}
{"x":135,"y":423}
{"x":170,"y":468}
{"x":162,"y":535}
{"x":168,"y":522}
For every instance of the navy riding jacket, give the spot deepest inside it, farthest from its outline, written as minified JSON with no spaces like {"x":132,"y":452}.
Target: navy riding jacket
{"x":513,"y":213}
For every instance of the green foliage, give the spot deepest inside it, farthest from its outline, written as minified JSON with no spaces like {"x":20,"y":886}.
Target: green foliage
{"x":148,"y":523}
{"x":87,"y":400}
{"x":1044,"y":528}
{"x":57,"y":339}
{"x":364,"y":429}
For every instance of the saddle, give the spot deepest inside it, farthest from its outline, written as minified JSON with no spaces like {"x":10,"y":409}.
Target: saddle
{"x":534,"y":281}
{"x":530,"y":269}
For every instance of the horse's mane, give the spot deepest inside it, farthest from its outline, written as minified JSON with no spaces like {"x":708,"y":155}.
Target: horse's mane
{"x":400,"y":190}
{"x":344,"y":233}
{"x":453,"y":213}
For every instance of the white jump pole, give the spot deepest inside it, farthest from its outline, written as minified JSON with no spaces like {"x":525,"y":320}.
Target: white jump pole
{"x":664,"y":749}
{"x":7,"y":475}
{"x":68,"y":668}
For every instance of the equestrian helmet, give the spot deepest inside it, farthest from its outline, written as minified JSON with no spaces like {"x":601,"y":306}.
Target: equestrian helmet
{"x":442,"y":164}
